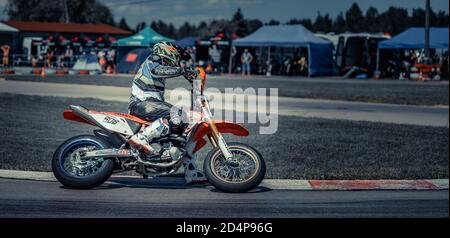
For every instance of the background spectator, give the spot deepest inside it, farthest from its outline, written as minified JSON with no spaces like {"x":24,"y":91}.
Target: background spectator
{"x":246,"y":60}
{"x":48,"y":62}
{"x":111,"y":60}
{"x":68,"y":55}
{"x":102,"y":60}
{"x":214,"y":53}
{"x":5,"y":49}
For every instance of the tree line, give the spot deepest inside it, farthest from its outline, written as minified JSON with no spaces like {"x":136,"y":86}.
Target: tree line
{"x":78,"y":11}
{"x":394,"y":20}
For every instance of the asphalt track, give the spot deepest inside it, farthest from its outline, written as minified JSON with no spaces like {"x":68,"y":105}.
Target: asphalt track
{"x":330,"y":109}
{"x":139,"y":198}
{"x":130,"y":197}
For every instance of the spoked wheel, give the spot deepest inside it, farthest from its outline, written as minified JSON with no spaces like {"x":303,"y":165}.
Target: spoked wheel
{"x":244,"y":172}
{"x":74,"y":172}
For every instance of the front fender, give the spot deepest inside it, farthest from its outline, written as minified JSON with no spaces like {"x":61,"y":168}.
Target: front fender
{"x":222,"y":126}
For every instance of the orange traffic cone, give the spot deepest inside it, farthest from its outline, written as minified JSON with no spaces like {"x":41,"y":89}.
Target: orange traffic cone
{"x":43,"y":72}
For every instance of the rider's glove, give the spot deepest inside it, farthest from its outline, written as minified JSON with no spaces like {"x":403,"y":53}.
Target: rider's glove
{"x":190,"y":74}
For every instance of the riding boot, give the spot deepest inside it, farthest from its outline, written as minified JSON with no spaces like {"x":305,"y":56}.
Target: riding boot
{"x":144,"y":137}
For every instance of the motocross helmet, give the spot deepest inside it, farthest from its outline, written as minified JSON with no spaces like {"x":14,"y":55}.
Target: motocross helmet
{"x":170,"y":53}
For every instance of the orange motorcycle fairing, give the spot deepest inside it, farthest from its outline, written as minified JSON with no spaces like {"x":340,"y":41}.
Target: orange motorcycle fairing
{"x":222,"y":126}
{"x":70,"y":115}
{"x":123,"y":115}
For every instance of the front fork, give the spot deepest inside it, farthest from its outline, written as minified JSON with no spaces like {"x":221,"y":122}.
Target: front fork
{"x":217,"y":138}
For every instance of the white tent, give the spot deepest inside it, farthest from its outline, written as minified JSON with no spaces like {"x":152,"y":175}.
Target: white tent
{"x":87,"y":62}
{"x":6,"y":28}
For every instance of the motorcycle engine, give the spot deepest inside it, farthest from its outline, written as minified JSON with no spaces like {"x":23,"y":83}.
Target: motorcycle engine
{"x":171,"y":154}
{"x":167,"y":153}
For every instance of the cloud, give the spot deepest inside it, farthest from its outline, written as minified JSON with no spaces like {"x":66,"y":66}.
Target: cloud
{"x":212,"y":2}
{"x":179,"y":7}
{"x":175,"y":11}
{"x":193,"y":18}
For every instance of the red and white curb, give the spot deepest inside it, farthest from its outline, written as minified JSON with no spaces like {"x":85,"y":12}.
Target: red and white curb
{"x":282,"y":184}
{"x":421,"y":184}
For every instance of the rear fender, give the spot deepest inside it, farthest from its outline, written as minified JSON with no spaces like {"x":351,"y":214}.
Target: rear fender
{"x":222,"y":126}
{"x":81,"y":114}
{"x":70,"y":115}
{"x":109,"y":121}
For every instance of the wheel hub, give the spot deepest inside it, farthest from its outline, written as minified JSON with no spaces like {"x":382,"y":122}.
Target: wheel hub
{"x":82,"y":167}
{"x":234,"y":163}
{"x":236,"y":169}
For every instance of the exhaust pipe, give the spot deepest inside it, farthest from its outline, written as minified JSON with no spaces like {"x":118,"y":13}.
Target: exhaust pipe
{"x":122,"y":153}
{"x":118,"y":153}
{"x":160,"y":165}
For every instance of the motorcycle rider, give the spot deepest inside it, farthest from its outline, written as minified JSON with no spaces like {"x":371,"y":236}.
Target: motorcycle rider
{"x":147,"y":99}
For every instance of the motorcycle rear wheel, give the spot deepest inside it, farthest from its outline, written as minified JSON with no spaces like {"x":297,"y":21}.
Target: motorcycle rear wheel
{"x":102,"y":171}
{"x":245,"y":174}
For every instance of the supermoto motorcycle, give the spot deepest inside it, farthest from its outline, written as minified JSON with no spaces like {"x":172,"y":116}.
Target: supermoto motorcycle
{"x":87,"y":161}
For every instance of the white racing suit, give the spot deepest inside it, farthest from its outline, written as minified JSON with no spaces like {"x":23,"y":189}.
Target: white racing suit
{"x":147,"y":102}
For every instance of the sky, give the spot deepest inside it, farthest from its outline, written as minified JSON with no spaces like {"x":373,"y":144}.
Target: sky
{"x":194,"y":11}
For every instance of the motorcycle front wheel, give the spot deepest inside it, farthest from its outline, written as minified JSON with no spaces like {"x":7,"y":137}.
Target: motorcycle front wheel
{"x":75,"y":173}
{"x":243,"y":173}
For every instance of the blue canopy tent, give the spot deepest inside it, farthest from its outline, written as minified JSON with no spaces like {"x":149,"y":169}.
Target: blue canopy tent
{"x":320,"y":51}
{"x":187,"y":41}
{"x":143,"y":39}
{"x":414,"y":38}
{"x":133,"y":60}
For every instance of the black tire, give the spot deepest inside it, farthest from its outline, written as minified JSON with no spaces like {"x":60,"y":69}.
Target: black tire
{"x":235,"y":187}
{"x":71,"y":181}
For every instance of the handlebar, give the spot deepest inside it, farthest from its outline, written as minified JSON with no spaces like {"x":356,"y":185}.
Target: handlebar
{"x":198,"y":86}
{"x":202,"y":75}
